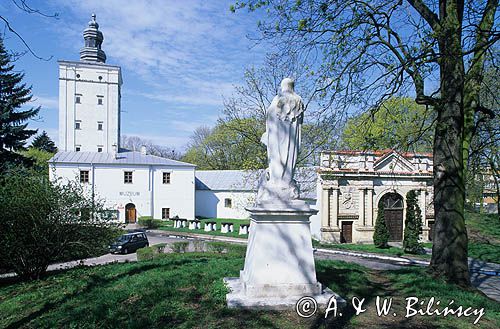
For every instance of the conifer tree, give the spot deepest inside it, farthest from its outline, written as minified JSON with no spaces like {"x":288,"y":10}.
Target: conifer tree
{"x":413,"y":225}
{"x":13,"y":126}
{"x":381,"y":234}
{"x":44,"y":143}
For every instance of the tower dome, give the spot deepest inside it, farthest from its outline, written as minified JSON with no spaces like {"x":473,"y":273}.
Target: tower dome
{"x":92,"y":51}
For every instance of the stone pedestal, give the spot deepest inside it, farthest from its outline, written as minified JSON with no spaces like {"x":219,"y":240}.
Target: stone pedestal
{"x":279,"y":264}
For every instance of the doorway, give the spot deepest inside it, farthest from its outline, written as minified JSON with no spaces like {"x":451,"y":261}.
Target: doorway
{"x":130,"y":213}
{"x":393,"y":214}
{"x":346,"y":232}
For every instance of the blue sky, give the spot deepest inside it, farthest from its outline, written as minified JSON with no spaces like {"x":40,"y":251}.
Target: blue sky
{"x":178,"y":58}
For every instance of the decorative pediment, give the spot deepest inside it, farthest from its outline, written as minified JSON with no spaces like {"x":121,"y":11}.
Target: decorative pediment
{"x":393,"y":162}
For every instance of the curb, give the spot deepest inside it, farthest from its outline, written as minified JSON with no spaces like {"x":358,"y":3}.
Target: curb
{"x":374,"y":256}
{"x":201,"y":236}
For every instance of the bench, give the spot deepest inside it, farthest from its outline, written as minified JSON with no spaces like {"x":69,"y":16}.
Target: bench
{"x":210,"y":226}
{"x":226,"y":227}
{"x":244,"y":229}
{"x":179,"y":222}
{"x":194,"y":224}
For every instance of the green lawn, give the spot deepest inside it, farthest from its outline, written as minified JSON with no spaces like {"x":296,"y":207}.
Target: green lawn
{"x":483,"y":226}
{"x":169,"y":226}
{"x":186,"y":291}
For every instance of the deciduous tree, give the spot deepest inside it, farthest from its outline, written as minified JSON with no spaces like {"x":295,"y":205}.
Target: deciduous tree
{"x":399,"y":124}
{"x":434,"y":51}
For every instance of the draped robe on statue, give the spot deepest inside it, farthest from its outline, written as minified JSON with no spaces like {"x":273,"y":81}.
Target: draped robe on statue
{"x":282,"y":138}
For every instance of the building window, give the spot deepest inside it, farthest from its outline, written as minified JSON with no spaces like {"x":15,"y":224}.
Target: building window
{"x":100,"y":100}
{"x":127,"y":177}
{"x":78,"y":125}
{"x":228,"y":203}
{"x":166,"y":178}
{"x":84,"y":176}
{"x":99,"y":125}
{"x":77,"y":148}
{"x":78,"y":99}
{"x":165,"y":213}
{"x":99,"y":149}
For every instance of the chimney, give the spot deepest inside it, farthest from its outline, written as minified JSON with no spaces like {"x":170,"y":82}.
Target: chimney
{"x":143,"y":150}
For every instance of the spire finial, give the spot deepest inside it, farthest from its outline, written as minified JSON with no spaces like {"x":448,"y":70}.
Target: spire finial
{"x":92,"y":51}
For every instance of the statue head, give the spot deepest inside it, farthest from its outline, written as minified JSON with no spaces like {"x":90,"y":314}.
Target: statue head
{"x":287,"y":85}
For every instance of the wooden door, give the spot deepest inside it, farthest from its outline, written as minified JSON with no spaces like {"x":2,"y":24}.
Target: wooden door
{"x":346,"y":232}
{"x":394,"y":222}
{"x":130,"y":215}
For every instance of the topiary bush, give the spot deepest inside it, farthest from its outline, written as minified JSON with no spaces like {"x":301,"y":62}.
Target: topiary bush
{"x":381,"y":234}
{"x":149,"y":223}
{"x":413,"y":225}
{"x":217,"y":247}
{"x":180,"y":246}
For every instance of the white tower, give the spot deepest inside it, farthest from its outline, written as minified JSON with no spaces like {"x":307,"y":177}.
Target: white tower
{"x":89,"y":98}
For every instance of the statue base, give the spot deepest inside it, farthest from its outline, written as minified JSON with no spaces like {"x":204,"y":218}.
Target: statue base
{"x":279,"y":264}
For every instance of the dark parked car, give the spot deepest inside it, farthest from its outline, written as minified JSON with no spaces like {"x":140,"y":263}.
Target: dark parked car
{"x":129,"y":242}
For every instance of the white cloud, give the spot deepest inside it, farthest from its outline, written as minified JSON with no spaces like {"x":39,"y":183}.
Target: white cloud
{"x":46,"y":102}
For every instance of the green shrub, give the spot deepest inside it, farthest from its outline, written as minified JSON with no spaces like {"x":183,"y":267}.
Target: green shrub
{"x":180,"y":246}
{"x":44,"y":222}
{"x":217,"y":247}
{"x":149,"y":223}
{"x":160,"y":248}
{"x":381,"y":234}
{"x":147,"y":253}
{"x":198,"y":245}
{"x":413,"y":225}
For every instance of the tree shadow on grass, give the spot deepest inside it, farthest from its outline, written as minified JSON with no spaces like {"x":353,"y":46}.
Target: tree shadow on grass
{"x":96,"y":281}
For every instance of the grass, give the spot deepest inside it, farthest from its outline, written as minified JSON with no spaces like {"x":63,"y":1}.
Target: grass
{"x":186,"y":291}
{"x":483,"y":226}
{"x":484,"y":240}
{"x":169,"y":226}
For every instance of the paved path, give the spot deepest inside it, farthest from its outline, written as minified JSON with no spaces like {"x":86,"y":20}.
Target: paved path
{"x":482,"y":274}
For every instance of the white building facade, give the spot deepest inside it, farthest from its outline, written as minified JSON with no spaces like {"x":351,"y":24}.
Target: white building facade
{"x":132,"y":184}
{"x":89,"y":98}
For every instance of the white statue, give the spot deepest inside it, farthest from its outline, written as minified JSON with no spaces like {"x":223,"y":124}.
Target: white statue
{"x":282,"y":137}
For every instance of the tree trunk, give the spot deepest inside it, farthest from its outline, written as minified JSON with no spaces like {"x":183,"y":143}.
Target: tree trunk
{"x":449,"y":251}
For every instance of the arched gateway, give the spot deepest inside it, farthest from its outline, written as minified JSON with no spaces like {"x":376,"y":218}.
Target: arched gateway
{"x":130,"y":213}
{"x":393,"y":214}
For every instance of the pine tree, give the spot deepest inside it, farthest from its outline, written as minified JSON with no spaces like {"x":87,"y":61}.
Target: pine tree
{"x":13,"y":127}
{"x":381,"y":234}
{"x":413,"y":225}
{"x":44,"y":143}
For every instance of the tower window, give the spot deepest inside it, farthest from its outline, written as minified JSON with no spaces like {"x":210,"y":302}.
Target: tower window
{"x":99,"y":125}
{"x":165,"y":213}
{"x":228,"y":203}
{"x":78,"y":99}
{"x":127,"y":177}
{"x":100,"y":100}
{"x":78,"y":125}
{"x":84,"y":176}
{"x":78,"y":76}
{"x":99,"y":148}
{"x":78,"y":148}
{"x":166,"y":178}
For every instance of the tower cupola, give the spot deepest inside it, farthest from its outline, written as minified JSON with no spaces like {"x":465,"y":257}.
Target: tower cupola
{"x":92,"y":51}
